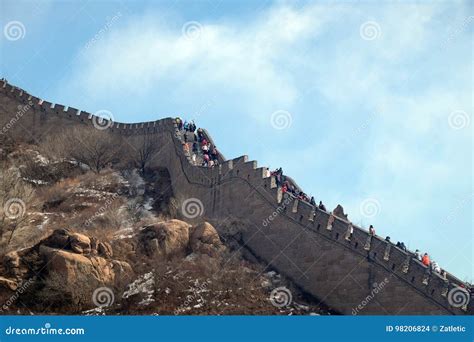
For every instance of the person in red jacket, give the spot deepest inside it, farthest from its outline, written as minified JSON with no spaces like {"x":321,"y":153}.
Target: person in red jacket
{"x":426,"y":259}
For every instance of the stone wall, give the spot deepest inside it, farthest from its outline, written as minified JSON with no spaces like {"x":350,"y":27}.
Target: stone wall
{"x":361,"y":275}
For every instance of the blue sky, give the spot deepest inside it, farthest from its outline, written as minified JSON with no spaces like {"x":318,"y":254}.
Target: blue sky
{"x":368,"y":105}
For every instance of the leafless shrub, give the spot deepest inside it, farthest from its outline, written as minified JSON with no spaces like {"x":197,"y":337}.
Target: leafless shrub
{"x":53,"y":196}
{"x":94,"y":148}
{"x":17,"y":201}
{"x":43,"y":174}
{"x":143,"y":148}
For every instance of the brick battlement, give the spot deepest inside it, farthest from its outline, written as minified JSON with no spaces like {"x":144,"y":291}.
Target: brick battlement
{"x":296,"y":240}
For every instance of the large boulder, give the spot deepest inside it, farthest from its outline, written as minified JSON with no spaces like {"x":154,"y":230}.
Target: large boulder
{"x":165,"y":239}
{"x":204,"y":239}
{"x":60,"y":238}
{"x":67,"y":262}
{"x":105,"y":249}
{"x":75,"y":268}
{"x":80,"y":243}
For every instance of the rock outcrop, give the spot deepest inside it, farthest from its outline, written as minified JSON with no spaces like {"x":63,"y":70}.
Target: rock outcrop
{"x":165,"y":239}
{"x":204,"y":239}
{"x":80,"y":243}
{"x":76,"y":260}
{"x":8,"y":284}
{"x":177,"y":238}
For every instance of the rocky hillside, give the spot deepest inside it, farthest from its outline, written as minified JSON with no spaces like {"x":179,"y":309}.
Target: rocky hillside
{"x":75,"y":240}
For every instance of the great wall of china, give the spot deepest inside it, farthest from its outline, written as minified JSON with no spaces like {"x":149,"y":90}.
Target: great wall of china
{"x":296,"y":242}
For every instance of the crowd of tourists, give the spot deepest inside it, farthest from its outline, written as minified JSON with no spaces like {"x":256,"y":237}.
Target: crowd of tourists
{"x":423,"y":258}
{"x":198,"y":145}
{"x":289,"y":188}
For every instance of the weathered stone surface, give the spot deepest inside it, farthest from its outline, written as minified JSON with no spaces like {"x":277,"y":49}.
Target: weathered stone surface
{"x":105,"y":249}
{"x":94,"y":246}
{"x":80,"y":243}
{"x":204,"y":239}
{"x":165,"y":239}
{"x":58,"y":239}
{"x":74,"y":266}
{"x":11,"y":260}
{"x":13,"y":265}
{"x":8,"y":283}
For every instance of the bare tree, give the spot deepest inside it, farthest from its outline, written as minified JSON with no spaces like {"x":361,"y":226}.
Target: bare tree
{"x":143,"y":149}
{"x":16,"y":201}
{"x":92,"y":147}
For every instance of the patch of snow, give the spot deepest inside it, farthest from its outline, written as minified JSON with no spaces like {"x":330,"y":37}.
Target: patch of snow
{"x":35,"y":181}
{"x":191,"y":257}
{"x":136,"y":182}
{"x":41,"y":159}
{"x":301,"y":306}
{"x":43,"y":223}
{"x":98,"y":311}
{"x":144,"y":284}
{"x":124,"y":233}
{"x":148,"y":204}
